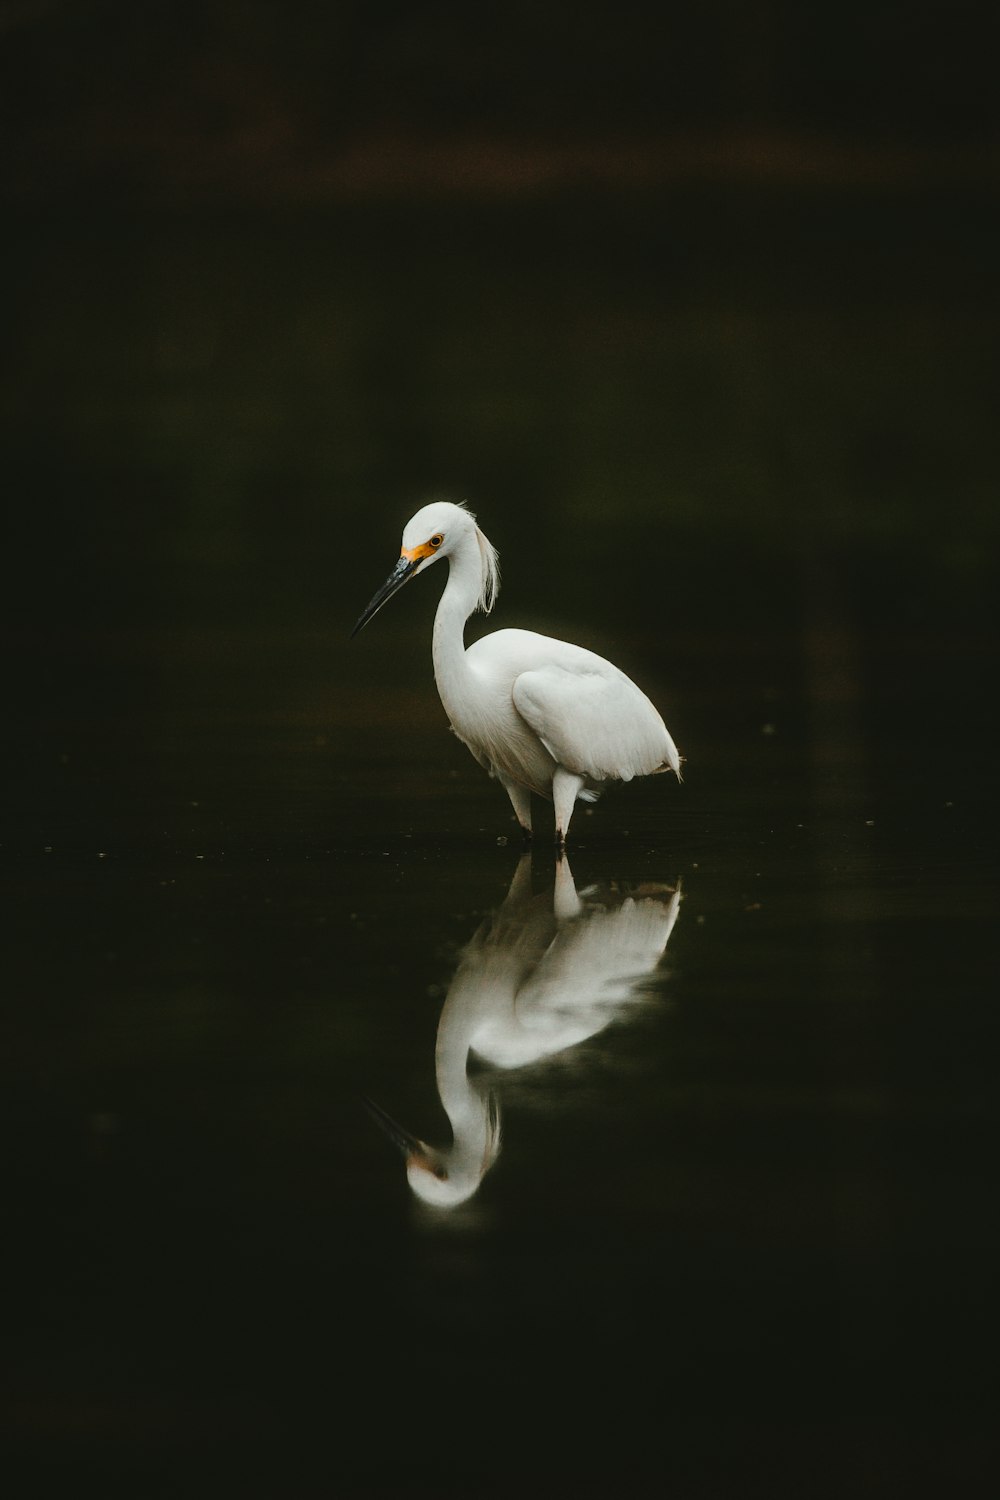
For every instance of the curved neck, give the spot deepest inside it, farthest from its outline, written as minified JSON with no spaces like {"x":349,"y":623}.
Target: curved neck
{"x":456,"y":1027}
{"x":472,"y":1116}
{"x":460,"y":597}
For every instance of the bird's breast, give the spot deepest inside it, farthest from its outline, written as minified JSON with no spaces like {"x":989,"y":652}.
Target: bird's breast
{"x":483,"y":716}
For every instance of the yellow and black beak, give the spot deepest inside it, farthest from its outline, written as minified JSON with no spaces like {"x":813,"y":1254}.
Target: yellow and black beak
{"x":409,"y":560}
{"x":410,"y":1145}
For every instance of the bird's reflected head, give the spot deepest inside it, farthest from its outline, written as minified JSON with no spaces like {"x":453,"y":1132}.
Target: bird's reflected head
{"x":444,"y":1178}
{"x":433,"y":1180}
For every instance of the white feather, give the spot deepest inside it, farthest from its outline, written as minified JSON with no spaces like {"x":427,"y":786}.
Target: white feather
{"x":543,"y":715}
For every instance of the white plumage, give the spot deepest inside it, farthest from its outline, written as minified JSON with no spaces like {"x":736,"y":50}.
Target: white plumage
{"x":541,"y":715}
{"x":542,"y":975}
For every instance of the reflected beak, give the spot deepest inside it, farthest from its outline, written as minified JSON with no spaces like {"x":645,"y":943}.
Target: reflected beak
{"x":403,"y":570}
{"x":409,"y":1145}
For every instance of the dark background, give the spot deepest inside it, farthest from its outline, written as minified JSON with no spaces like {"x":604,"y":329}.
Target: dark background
{"x":697,"y":311}
{"x":276,"y":273}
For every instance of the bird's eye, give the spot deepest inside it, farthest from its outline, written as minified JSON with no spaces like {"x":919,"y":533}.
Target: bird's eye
{"x":437,"y":539}
{"x":441,"y":1174}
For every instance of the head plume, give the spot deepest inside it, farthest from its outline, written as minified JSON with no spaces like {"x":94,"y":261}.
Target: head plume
{"x":438,"y":515}
{"x":491,"y":572}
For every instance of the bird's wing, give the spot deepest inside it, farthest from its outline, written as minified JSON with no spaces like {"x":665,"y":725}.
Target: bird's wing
{"x":594,"y":722}
{"x":598,"y":961}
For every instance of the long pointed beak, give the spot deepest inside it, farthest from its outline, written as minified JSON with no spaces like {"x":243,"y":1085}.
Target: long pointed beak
{"x":409,"y":1145}
{"x":403,"y":570}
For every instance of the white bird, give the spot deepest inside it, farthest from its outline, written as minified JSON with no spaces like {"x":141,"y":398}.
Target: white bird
{"x":540,"y":715}
{"x":543,"y":974}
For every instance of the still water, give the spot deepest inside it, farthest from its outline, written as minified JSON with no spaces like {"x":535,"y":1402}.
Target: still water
{"x":711,"y":1095}
{"x":718,"y":1181}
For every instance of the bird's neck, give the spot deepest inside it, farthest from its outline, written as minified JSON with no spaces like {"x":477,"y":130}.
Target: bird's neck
{"x":460,"y":597}
{"x":466,"y":1104}
{"x":457,"y":1026}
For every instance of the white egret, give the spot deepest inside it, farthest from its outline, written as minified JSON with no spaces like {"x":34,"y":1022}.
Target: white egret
{"x":540,"y":715}
{"x":543,"y":974}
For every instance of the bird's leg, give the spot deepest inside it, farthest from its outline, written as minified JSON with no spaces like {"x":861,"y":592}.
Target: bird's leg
{"x":520,"y":885}
{"x":566,"y":787}
{"x":566,"y":904}
{"x":520,"y":799}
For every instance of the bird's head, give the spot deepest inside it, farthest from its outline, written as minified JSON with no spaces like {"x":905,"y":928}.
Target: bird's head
{"x":440,"y":529}
{"x":435,"y":531}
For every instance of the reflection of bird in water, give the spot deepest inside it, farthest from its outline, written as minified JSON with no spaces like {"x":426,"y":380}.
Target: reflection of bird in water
{"x":541,"y":715}
{"x":539,"y":976}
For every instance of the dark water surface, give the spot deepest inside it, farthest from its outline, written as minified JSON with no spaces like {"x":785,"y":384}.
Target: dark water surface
{"x":739,"y":1236}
